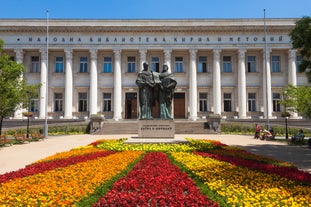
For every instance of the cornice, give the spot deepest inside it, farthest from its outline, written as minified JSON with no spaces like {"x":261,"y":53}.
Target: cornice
{"x":147,"y":26}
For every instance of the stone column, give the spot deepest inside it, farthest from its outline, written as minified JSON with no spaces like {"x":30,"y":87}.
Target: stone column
{"x":217,"y":82}
{"x":44,"y":83}
{"x":143,"y":53}
{"x":19,"y":54}
{"x":68,"y":85}
{"x":267,"y":97}
{"x":167,"y":59}
{"x":193,"y":102}
{"x":242,"y":84}
{"x":117,"y":86}
{"x":292,"y":79}
{"x":292,"y":73}
{"x":93,"y":82}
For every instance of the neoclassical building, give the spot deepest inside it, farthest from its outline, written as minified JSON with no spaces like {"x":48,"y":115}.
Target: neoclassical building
{"x":222,"y":66}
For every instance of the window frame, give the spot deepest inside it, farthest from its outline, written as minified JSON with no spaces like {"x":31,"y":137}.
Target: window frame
{"x":82,"y":103}
{"x":203,"y":102}
{"x":83,"y":64}
{"x":131,"y":64}
{"x":226,"y":65}
{"x":252,"y":106}
{"x":227,"y":102}
{"x":275,"y":64}
{"x":251,"y":64}
{"x":179,"y":64}
{"x":107,"y":102}
{"x":59,"y":64}
{"x":35,"y":64}
{"x":58,"y":102}
{"x":202,"y":64}
{"x":107,"y":64}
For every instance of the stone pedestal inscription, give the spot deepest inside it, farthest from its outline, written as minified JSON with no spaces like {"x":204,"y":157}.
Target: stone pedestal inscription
{"x":156,"y":128}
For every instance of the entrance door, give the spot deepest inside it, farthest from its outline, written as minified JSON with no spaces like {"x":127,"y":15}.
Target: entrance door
{"x":179,"y":106}
{"x":131,"y":106}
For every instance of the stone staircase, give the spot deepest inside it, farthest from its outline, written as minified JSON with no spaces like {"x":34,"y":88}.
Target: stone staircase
{"x":131,"y":127}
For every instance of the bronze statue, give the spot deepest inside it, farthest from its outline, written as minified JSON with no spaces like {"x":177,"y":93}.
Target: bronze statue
{"x":166,"y":93}
{"x":145,"y":83}
{"x":155,"y":87}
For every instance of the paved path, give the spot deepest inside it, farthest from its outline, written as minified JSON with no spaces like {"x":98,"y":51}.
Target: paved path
{"x":18,"y":156}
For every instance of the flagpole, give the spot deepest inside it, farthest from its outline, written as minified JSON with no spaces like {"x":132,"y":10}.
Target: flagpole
{"x":265,"y":69}
{"x":46,"y":128}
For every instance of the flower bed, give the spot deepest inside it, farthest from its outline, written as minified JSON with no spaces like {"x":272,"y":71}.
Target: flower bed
{"x":154,"y":181}
{"x":201,"y":173}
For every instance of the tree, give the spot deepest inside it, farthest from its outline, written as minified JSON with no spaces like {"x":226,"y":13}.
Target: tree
{"x":14,"y":90}
{"x":297,"y":99}
{"x":301,"y":39}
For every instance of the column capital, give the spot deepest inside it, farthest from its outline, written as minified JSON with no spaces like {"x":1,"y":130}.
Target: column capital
{"x":117,"y":53}
{"x":68,"y":53}
{"x":193,"y":53}
{"x":242,"y":52}
{"x":268,"y":51}
{"x":44,"y":53}
{"x":292,"y":53}
{"x":93,"y":54}
{"x":19,"y":54}
{"x":217,"y":52}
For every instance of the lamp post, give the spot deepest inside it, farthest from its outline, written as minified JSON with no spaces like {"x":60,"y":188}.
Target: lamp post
{"x":28,"y":114}
{"x":286,"y":129}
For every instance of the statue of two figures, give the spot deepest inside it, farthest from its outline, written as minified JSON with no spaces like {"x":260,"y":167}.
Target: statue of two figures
{"x":155,"y":87}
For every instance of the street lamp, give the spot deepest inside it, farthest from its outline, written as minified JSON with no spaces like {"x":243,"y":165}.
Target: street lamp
{"x":29,"y":113}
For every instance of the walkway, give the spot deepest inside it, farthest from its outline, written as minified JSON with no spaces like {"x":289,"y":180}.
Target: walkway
{"x":18,"y":156}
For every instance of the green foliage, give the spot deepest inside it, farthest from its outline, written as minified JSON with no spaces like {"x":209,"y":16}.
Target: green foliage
{"x":14,"y":91}
{"x":301,"y":39}
{"x":297,"y":99}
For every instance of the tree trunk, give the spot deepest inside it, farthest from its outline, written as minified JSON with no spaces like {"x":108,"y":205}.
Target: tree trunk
{"x":1,"y":120}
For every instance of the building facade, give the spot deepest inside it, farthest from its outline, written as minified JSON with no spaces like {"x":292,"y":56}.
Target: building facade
{"x":222,"y":66}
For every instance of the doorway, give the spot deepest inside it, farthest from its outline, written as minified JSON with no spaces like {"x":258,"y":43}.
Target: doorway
{"x":179,"y":106}
{"x":131,"y":106}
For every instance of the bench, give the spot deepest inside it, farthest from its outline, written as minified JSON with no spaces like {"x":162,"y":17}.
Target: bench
{"x":4,"y":140}
{"x":295,"y":141}
{"x":37,"y":136}
{"x":21,"y":138}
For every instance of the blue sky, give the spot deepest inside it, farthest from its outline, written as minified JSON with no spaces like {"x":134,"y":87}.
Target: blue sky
{"x":154,"y":9}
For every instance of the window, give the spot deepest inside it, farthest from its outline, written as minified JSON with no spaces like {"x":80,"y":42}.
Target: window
{"x":179,"y":65}
{"x":59,"y":65}
{"x":34,"y":105}
{"x":155,"y":64}
{"x":275,"y":64}
{"x":276,"y":102}
{"x":107,"y":65}
{"x":106,"y":102}
{"x":58,"y":102}
{"x":226,"y":64}
{"x":83,"y":65}
{"x":251,"y":64}
{"x":82,"y":102}
{"x":203,"y":102}
{"x":251,"y":102}
{"x":227,"y":102}
{"x":131,"y":64}
{"x":35,"y":64}
{"x":298,"y":62}
{"x":202,"y":64}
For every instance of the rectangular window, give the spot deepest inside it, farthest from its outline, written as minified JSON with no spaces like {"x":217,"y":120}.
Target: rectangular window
{"x":59,"y":65}
{"x":131,"y":64}
{"x":203,"y":102}
{"x":227,"y":102}
{"x":83,"y":65}
{"x":34,"y":105}
{"x":35,"y":66}
{"x":58,"y":102}
{"x":82,"y":102}
{"x":276,"y":64}
{"x":252,"y":102}
{"x":202,"y":67}
{"x":107,"y":65}
{"x":251,"y":64}
{"x":298,"y":62}
{"x":226,"y":64}
{"x":276,"y":102}
{"x":155,"y":64}
{"x":179,"y":65}
{"x":106,"y":102}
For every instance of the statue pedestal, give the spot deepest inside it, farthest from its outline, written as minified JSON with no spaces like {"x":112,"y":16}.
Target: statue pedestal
{"x":156,"y":128}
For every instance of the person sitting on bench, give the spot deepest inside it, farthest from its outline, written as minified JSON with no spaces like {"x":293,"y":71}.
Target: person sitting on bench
{"x":266,"y":135}
{"x":299,"y":137}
